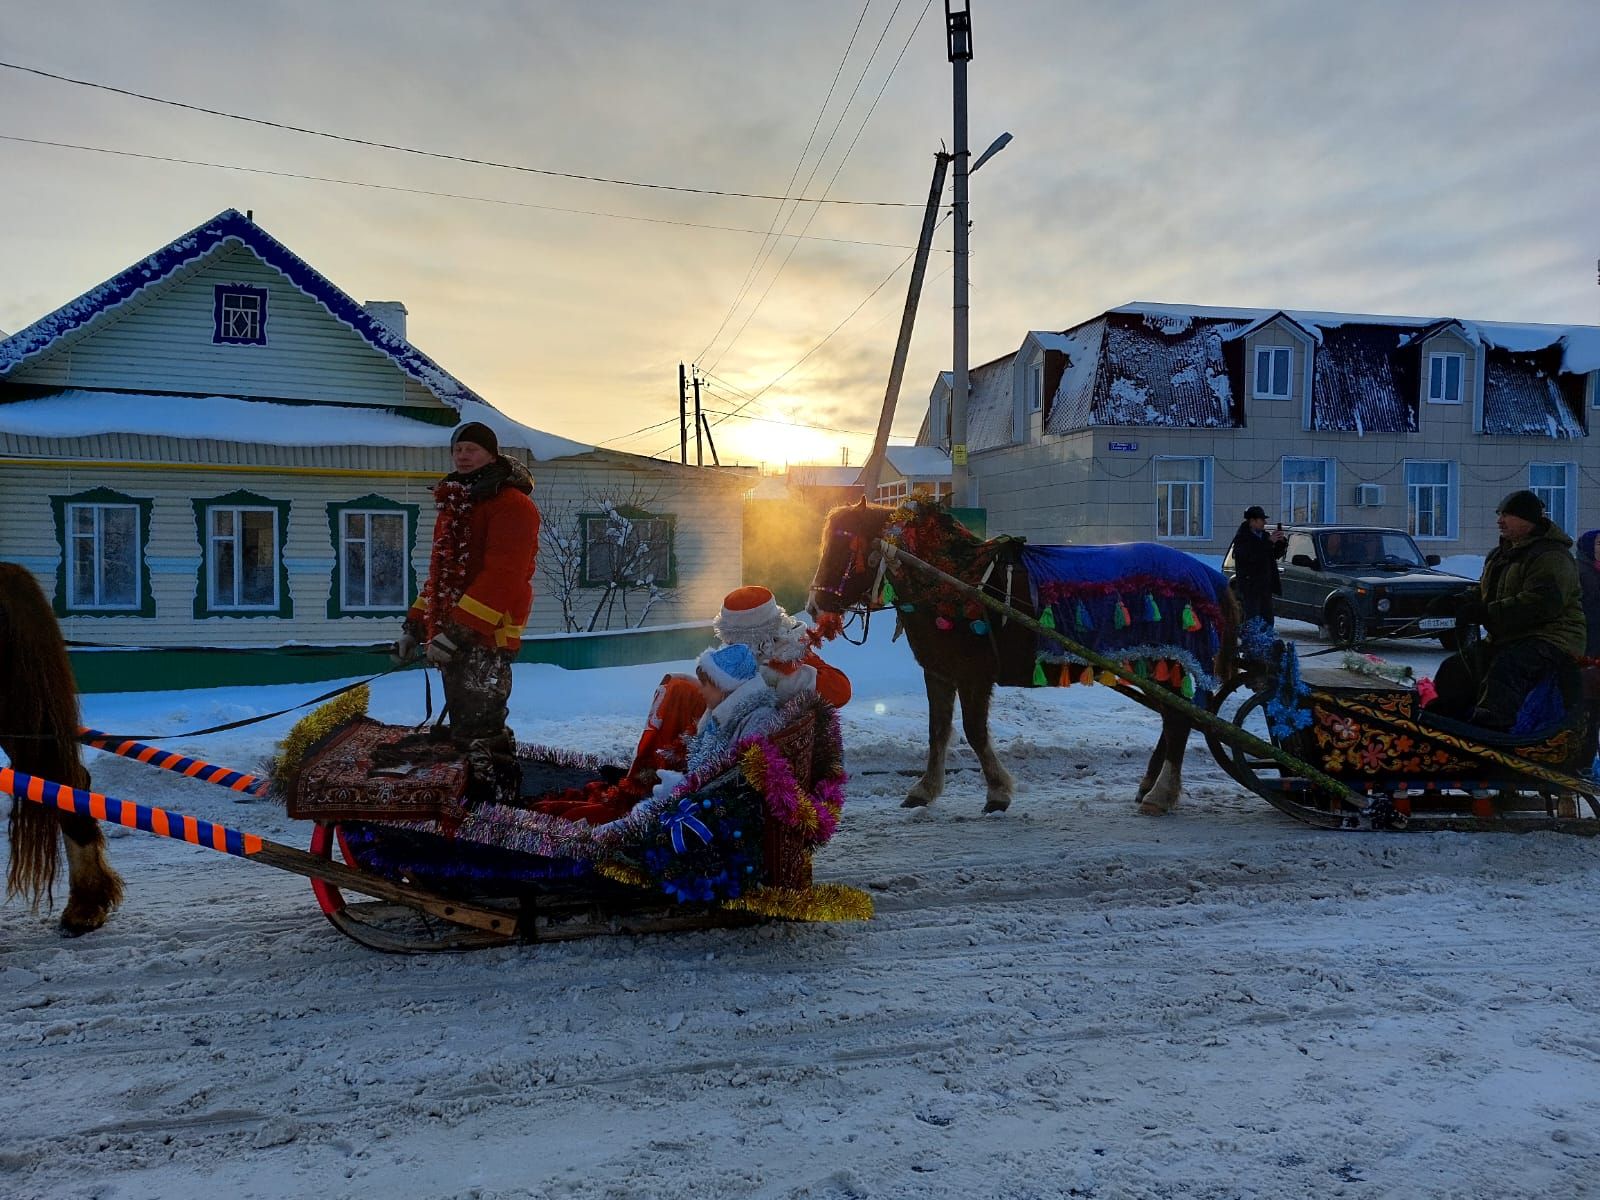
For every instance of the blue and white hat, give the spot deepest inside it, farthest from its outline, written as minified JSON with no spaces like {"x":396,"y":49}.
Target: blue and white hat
{"x":729,"y":666}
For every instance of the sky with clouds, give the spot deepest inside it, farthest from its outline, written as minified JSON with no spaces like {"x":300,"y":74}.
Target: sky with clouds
{"x":1422,"y":157}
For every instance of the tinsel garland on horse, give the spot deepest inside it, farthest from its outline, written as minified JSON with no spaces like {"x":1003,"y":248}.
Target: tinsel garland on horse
{"x":1163,"y":612}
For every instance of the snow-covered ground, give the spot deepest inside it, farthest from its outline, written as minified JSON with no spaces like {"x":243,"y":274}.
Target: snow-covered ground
{"x":1065,"y":1000}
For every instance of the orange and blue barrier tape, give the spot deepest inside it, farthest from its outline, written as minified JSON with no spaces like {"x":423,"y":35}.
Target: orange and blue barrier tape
{"x":169,"y":760}
{"x":124,"y":812}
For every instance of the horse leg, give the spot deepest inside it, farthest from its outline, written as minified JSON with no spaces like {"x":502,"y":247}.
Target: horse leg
{"x":1163,"y":794}
{"x":95,"y":888}
{"x":1158,"y":758}
{"x":941,"y":711}
{"x":975,"y":697}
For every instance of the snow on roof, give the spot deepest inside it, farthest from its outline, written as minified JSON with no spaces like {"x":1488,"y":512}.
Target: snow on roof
{"x":913,"y":462}
{"x":989,"y":417}
{"x":231,"y":227}
{"x":79,"y":413}
{"x":816,"y":475}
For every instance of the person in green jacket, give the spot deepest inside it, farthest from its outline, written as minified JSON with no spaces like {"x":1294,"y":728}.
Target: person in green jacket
{"x":1530,"y":601}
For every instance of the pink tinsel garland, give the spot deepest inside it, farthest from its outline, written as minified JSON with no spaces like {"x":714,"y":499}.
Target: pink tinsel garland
{"x":447,"y":566}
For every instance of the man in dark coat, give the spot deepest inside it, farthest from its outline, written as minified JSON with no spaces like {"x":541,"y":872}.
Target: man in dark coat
{"x":1255,"y":564}
{"x":1530,"y":601}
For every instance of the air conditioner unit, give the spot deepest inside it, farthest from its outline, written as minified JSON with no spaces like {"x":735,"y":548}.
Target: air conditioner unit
{"x":1369,"y":495}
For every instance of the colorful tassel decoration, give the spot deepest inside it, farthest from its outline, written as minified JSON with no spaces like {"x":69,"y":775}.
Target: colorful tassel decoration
{"x":888,"y":593}
{"x":1191,"y":623}
{"x":1082,"y":619}
{"x":1086,"y":675}
{"x":1107,"y":678}
{"x":1120,"y":616}
{"x":980,"y":627}
{"x":944,"y":623}
{"x":1162,"y":674}
{"x":1048,"y":617}
{"x":908,"y":608}
{"x":1141,"y":668}
{"x":1064,"y":678}
{"x":1151,"y":612}
{"x":1188,"y":687}
{"x":1038,"y":674}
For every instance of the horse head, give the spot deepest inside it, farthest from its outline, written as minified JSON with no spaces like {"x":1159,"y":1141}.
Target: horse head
{"x":846,"y":565}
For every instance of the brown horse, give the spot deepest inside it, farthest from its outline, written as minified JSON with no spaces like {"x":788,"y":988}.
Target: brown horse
{"x":955,"y":663}
{"x":39,"y":734}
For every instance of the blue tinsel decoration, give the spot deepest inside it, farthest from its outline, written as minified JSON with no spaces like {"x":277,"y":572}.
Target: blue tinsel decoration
{"x":1289,"y":710}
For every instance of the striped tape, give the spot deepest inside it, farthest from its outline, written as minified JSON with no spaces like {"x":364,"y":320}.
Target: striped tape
{"x":159,"y":821}
{"x":169,"y":760}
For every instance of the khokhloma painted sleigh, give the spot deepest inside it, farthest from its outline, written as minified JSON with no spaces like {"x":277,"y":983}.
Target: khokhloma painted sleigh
{"x":730,"y":845}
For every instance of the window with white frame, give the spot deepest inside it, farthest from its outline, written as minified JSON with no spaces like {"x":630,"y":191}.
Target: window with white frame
{"x":1183,"y":497}
{"x":624,"y":547}
{"x":1444,"y":378}
{"x":373,"y":552}
{"x":1035,"y":386}
{"x":1430,"y":499}
{"x":103,"y":556}
{"x":1554,"y":483}
{"x":241,"y":558}
{"x":239,"y":315}
{"x":1307,"y":490}
{"x":1272,"y":372}
{"x":892,"y":493}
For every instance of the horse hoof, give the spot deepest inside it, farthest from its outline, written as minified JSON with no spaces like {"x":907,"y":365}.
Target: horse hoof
{"x":76,"y":925}
{"x":995,"y":806}
{"x":915,"y":801}
{"x":1148,"y":808}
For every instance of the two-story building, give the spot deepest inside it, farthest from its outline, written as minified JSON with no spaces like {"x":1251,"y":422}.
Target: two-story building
{"x":1157,"y":422}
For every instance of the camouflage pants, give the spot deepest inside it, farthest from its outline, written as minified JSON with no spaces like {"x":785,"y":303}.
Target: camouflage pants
{"x":477,"y":691}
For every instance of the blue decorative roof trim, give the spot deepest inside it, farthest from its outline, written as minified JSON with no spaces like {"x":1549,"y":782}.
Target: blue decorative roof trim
{"x":232,"y":225}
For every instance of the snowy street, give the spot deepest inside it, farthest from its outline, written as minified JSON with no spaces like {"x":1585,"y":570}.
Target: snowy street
{"x":1065,"y":1000}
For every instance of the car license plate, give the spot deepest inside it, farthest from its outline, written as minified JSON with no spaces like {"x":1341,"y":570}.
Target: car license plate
{"x":1435,"y":623}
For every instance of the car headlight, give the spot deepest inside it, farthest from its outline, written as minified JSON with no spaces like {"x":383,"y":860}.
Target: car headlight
{"x":1383,"y":604}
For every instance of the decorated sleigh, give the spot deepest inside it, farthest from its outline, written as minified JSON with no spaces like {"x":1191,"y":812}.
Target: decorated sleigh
{"x":1366,"y":728}
{"x":727,"y":846}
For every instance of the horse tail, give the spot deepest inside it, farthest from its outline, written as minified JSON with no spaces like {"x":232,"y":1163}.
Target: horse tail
{"x":1227,"y":664}
{"x":45,"y":713}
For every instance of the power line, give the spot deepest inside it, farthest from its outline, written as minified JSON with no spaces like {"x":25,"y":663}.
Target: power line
{"x":755,"y":263}
{"x":779,"y":378}
{"x":915,"y":25}
{"x":387,"y":187}
{"x":436,"y":154}
{"x":717,"y":412}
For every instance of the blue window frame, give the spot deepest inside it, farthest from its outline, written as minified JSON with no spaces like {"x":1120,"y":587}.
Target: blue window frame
{"x":239,"y":315}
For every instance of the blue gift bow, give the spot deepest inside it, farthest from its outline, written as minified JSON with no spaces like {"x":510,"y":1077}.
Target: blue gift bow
{"x":684,"y":818}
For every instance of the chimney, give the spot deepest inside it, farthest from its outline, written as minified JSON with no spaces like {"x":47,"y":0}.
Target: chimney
{"x":391,"y":314}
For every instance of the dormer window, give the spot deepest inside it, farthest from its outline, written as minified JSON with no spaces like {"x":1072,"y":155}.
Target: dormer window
{"x":1272,"y":372}
{"x":239,"y":315}
{"x":1035,"y":386}
{"x":1444,"y":378}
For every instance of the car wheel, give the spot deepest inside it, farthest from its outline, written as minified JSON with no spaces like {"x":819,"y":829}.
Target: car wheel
{"x":1344,"y":627}
{"x":1460,"y":637}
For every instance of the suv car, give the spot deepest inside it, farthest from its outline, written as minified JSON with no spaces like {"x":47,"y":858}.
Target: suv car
{"x":1358,"y":581}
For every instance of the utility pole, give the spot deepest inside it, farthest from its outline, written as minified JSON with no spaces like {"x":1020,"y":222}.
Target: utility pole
{"x":705,"y":422}
{"x":683,"y":417}
{"x":872,"y":472}
{"x":958,"y":33}
{"x":699,"y":421}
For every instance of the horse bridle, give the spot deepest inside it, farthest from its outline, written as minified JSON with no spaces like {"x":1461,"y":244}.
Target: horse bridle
{"x":871,"y":598}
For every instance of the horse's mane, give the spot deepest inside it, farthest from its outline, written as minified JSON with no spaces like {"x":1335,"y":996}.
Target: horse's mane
{"x":39,"y":701}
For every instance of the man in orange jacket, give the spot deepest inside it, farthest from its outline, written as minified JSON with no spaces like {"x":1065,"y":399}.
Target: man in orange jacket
{"x":479,"y":589}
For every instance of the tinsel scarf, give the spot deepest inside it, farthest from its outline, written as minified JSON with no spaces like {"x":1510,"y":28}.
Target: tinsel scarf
{"x":447,"y":567}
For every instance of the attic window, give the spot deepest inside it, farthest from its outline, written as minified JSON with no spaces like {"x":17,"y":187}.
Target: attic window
{"x":1444,"y":378}
{"x":1272,"y":372}
{"x":239,"y":315}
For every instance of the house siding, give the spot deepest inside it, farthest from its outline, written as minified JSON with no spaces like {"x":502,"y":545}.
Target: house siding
{"x":163,"y":344}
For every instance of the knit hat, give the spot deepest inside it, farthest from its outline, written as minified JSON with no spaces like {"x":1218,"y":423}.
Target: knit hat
{"x":752,"y":616}
{"x":728,"y":666}
{"x":478,"y":434}
{"x":1523,"y":503}
{"x":1254,"y":511}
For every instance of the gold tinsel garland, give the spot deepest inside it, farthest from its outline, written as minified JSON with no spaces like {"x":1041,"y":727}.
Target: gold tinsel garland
{"x":819,"y":902}
{"x":311,"y":729}
{"x":624,"y":874}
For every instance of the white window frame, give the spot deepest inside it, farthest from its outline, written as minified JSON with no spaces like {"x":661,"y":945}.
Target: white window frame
{"x":1564,"y":515}
{"x":892,"y":493}
{"x":1035,"y":385}
{"x":345,"y":539}
{"x":1451,"y":498}
{"x":213,"y":538}
{"x":75,"y":602}
{"x":1330,"y":467}
{"x":1443,"y":357}
{"x":1163,"y":515}
{"x":1265,"y":391}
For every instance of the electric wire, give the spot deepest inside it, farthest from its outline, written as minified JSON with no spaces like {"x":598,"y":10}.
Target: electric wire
{"x":388,"y":187}
{"x":917,"y":24}
{"x":756,"y":261}
{"x":434,"y":154}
